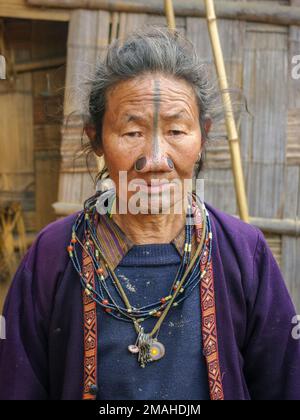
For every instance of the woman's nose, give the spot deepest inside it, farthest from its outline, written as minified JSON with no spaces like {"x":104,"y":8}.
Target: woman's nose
{"x":155,"y":157}
{"x":152,"y":163}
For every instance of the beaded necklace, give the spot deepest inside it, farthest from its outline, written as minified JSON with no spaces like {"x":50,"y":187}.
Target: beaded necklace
{"x":188,"y":276}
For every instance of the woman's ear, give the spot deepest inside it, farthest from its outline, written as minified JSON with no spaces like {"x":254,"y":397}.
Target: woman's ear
{"x":91,"y":132}
{"x":207,"y":125}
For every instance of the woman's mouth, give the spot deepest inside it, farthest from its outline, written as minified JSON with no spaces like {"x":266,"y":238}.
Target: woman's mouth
{"x":154,"y":187}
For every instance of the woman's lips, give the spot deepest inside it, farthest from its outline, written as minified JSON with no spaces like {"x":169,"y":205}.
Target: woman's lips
{"x":153,"y":188}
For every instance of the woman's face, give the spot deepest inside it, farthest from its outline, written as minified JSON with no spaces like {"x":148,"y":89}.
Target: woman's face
{"x":151,"y":131}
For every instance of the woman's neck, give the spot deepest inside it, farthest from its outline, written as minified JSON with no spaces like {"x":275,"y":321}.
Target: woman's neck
{"x":148,"y":228}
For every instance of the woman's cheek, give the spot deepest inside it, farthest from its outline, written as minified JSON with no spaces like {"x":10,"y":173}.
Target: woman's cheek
{"x":117,"y":154}
{"x":188,"y":155}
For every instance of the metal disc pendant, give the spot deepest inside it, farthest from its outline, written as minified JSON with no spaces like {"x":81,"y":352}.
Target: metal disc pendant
{"x":157,"y":350}
{"x":133,"y":349}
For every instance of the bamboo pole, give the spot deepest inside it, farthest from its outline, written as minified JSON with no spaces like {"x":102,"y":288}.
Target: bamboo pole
{"x":2,"y":67}
{"x":229,"y":116}
{"x":2,"y":51}
{"x":288,"y":227}
{"x":254,"y":11}
{"x":169,"y":10}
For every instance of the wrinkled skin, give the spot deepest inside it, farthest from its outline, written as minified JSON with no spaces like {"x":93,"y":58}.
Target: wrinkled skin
{"x":151,"y":131}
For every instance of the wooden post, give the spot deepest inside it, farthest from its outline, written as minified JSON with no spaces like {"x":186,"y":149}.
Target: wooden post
{"x":87,"y":40}
{"x":2,"y":67}
{"x":169,"y":10}
{"x":229,"y":115}
{"x":2,"y":58}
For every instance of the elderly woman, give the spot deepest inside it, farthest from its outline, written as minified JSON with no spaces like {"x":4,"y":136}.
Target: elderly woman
{"x":149,"y":292}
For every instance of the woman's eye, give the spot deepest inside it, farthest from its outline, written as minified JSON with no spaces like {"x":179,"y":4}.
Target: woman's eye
{"x":133,"y":134}
{"x":176,"y":132}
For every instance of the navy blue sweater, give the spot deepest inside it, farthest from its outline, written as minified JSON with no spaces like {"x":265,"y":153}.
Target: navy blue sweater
{"x":146,"y":273}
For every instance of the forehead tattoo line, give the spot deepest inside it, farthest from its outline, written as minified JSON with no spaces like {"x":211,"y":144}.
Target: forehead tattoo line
{"x":156,"y":104}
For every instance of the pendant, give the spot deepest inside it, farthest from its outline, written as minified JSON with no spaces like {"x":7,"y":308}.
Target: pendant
{"x":133,"y":349}
{"x":157,"y":350}
{"x":147,"y":348}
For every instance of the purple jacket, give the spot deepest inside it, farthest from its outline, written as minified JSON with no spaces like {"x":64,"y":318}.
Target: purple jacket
{"x":42,"y":356}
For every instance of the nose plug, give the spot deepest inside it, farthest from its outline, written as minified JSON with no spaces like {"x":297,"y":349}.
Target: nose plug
{"x":170,"y":163}
{"x":141,"y":163}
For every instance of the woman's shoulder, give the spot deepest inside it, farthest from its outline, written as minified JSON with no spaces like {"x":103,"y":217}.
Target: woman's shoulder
{"x":243,"y":253}
{"x":50,"y":246}
{"x":60,"y":228}
{"x":43,"y":267}
{"x":228,"y":228}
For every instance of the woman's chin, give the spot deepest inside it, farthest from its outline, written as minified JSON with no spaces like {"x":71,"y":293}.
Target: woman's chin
{"x":157,"y":202}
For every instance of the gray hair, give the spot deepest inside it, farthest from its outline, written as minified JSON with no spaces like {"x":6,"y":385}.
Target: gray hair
{"x":147,"y":51}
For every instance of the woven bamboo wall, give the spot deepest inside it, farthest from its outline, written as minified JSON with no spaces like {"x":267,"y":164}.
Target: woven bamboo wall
{"x":31,"y":114}
{"x":16,"y":134}
{"x":258,"y":60}
{"x":31,"y":103}
{"x":291,"y":208}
